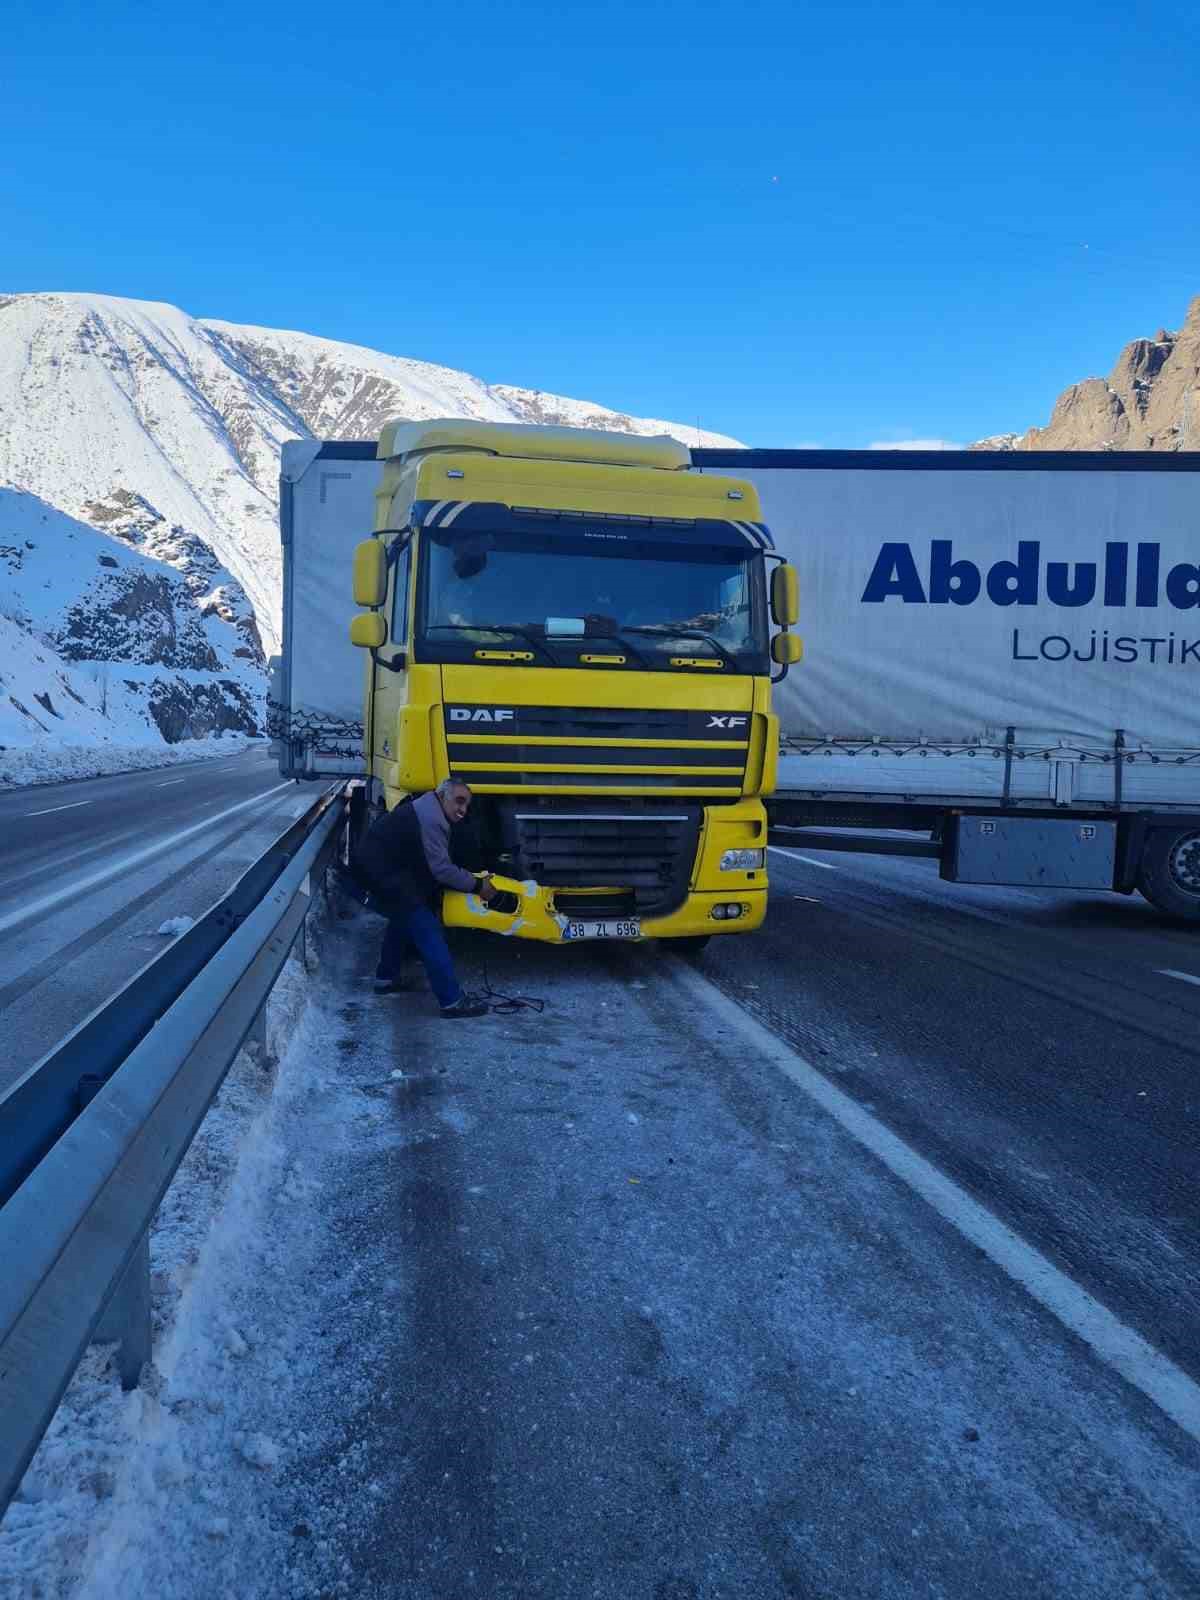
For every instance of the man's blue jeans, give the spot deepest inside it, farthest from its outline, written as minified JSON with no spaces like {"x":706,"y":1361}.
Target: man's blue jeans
{"x":420,"y":929}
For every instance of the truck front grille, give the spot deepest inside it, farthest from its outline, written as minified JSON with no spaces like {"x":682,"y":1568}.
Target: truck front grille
{"x":645,"y":850}
{"x":498,"y":748}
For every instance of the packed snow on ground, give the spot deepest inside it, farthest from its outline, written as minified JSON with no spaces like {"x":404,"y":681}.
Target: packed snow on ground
{"x":110,"y":1459}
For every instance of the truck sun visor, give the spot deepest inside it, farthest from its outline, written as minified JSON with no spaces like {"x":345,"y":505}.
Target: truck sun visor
{"x":450,"y":520}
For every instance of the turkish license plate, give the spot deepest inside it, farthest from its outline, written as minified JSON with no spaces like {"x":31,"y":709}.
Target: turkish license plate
{"x":616,"y":928}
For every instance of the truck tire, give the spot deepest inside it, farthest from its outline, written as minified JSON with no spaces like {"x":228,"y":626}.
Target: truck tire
{"x":1169,"y":875}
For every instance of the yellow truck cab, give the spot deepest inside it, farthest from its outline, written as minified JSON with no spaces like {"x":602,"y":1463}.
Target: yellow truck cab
{"x":578,"y":626}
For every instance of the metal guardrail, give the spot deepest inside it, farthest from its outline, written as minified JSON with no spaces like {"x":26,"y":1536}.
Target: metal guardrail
{"x":37,"y":1110}
{"x":129,"y":1094}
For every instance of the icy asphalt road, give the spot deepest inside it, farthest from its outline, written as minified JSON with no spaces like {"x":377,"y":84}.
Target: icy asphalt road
{"x":85,"y":882}
{"x":603,"y":1303}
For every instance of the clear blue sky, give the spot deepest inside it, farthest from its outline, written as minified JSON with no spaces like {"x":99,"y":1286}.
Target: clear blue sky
{"x":833,"y":224}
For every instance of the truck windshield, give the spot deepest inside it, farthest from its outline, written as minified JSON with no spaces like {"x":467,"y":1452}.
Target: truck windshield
{"x":562,"y":595}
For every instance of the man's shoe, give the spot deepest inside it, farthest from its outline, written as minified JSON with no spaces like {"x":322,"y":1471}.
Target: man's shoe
{"x":467,"y":1005}
{"x":391,"y":985}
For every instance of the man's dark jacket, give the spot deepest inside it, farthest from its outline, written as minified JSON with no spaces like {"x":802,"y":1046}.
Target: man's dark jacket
{"x":391,"y":865}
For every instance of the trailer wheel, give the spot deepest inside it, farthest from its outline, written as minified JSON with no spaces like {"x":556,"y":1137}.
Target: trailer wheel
{"x":1169,"y":875}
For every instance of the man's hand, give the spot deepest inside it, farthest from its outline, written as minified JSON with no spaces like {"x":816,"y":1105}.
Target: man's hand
{"x":487,"y":890}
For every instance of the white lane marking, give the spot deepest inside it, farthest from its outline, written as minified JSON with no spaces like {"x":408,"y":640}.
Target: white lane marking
{"x":792,"y":856}
{"x":1184,"y":977}
{"x":49,"y":902}
{"x":168,"y":782}
{"x":1137,"y":1361}
{"x":74,"y":806}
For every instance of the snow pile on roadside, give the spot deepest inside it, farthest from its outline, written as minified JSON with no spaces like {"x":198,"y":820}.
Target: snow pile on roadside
{"x":72,"y":1492}
{"x":239,"y":1455}
{"x":53,"y":765}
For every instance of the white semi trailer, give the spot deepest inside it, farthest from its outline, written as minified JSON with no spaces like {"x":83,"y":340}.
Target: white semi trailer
{"x":1002,"y":651}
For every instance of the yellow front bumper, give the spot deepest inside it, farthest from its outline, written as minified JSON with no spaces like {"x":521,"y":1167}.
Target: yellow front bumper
{"x":536,"y":917}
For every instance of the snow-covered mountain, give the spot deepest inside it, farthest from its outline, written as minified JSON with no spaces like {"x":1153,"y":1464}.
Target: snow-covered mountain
{"x":100,"y":645}
{"x":143,"y":421}
{"x":160,"y":433}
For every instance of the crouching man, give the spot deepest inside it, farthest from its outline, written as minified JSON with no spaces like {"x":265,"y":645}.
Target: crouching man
{"x":405,"y":862}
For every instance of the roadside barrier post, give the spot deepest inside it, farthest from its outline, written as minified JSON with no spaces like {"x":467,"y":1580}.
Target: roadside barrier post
{"x":125,"y":1320}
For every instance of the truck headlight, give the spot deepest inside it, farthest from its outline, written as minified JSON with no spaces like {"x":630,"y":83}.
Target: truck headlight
{"x":742,"y":860}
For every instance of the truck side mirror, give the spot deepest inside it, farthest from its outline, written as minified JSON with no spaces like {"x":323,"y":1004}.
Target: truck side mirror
{"x":370,"y":573}
{"x":787,"y":649}
{"x":785,"y":596}
{"x":368,"y":630}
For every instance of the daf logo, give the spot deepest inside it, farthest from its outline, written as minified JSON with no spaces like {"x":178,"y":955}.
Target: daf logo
{"x":727,"y":722}
{"x":480,"y":714}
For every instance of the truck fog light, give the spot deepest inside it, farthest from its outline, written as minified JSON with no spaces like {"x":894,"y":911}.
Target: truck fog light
{"x":742,"y":860}
{"x":727,"y":910}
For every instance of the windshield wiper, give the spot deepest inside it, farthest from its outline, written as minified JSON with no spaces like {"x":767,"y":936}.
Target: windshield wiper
{"x":497,"y":627}
{"x":664,"y":630}
{"x":618,"y":636}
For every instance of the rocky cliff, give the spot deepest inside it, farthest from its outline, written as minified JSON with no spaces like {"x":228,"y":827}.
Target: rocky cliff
{"x":1149,"y":401}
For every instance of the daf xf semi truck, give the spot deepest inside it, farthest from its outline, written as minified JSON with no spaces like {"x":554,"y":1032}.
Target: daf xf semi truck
{"x":574,"y":623}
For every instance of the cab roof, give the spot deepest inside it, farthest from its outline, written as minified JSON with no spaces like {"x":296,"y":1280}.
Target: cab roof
{"x":533,"y":442}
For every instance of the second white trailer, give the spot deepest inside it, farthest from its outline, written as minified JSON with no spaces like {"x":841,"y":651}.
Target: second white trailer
{"x":994,"y":637}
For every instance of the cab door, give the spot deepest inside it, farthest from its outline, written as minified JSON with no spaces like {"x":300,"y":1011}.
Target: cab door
{"x":389,"y":690}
